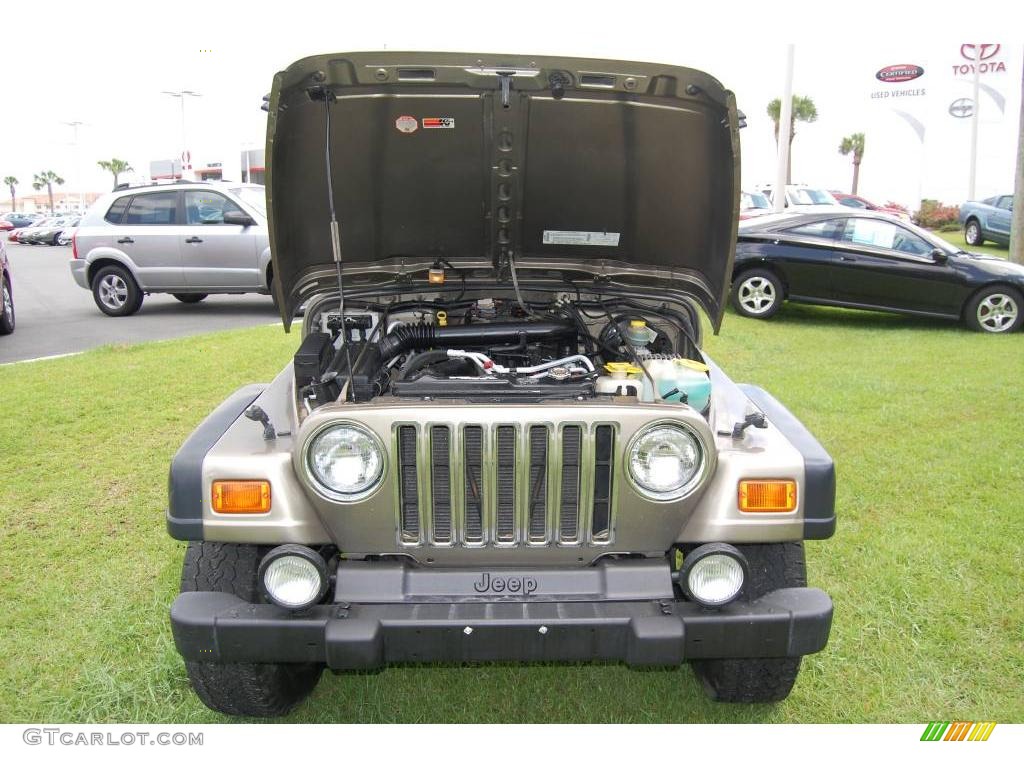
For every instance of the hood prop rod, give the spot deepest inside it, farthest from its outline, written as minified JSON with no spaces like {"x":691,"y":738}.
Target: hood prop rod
{"x":329,"y":98}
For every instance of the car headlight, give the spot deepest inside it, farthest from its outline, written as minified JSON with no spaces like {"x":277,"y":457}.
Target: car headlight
{"x":713,"y":574}
{"x":346,"y":462}
{"x":293,"y":576}
{"x":666,"y":461}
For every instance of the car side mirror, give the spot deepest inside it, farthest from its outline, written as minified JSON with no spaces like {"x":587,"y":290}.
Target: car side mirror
{"x":939,"y":256}
{"x":238,"y":218}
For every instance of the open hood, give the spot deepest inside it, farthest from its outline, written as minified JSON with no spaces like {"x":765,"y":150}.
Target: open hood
{"x":625,"y":171}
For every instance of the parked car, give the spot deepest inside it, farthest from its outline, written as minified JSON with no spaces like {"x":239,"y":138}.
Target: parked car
{"x":856,"y":201}
{"x":26,"y":235}
{"x":988,"y":219}
{"x":754,"y":204}
{"x":68,"y":233}
{"x":476,"y":431}
{"x":6,"y":294}
{"x":48,"y":232}
{"x":802,"y":197}
{"x":189,"y":240}
{"x":21,"y":219}
{"x":866,"y":260}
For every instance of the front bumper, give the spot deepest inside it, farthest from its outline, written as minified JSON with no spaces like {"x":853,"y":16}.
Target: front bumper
{"x":218,"y":627}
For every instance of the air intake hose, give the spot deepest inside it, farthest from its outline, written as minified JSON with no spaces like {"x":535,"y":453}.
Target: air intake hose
{"x":424,"y":336}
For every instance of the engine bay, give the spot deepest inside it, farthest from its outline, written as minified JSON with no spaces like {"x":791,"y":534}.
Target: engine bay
{"x":500,"y":351}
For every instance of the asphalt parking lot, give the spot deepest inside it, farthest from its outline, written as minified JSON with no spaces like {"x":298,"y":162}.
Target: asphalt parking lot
{"x":56,"y":317}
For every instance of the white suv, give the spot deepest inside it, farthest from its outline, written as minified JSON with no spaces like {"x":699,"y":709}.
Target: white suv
{"x":189,"y":239}
{"x":802,"y":198}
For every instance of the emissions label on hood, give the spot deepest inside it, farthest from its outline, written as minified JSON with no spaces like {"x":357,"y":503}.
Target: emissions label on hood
{"x":563,"y":237}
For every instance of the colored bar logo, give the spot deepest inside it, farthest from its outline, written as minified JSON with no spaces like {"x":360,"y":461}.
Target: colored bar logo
{"x":959,"y":730}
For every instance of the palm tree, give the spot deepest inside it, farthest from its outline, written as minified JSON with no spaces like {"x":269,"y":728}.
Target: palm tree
{"x":116,"y":167}
{"x":854,"y":143}
{"x":11,"y":183}
{"x":47,"y":179}
{"x":803,"y":111}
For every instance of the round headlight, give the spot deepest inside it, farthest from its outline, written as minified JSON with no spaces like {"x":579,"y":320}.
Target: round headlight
{"x":714,"y":574}
{"x":347,"y":462}
{"x":666,"y":461}
{"x":293,"y":576}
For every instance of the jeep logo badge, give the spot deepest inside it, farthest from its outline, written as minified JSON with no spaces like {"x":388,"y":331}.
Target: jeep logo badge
{"x":513,"y":585}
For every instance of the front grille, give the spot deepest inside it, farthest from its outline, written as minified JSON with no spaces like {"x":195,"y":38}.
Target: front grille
{"x":505,"y":485}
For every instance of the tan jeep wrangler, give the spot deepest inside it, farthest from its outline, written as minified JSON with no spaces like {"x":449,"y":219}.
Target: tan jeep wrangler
{"x":499,"y":438}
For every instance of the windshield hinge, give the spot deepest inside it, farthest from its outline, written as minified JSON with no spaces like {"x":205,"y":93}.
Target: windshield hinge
{"x":505,"y":80}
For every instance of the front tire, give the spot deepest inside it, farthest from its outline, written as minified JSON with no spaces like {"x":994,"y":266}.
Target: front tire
{"x":757,"y":293}
{"x":190,"y":298}
{"x":972,"y":233}
{"x":115,"y":291}
{"x":751,"y":681}
{"x":240,"y":688}
{"x":6,"y":308}
{"x":998,"y":309}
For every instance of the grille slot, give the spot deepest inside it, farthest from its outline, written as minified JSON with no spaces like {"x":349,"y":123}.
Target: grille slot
{"x":441,"y":484}
{"x":537,"y":501}
{"x":604,"y":438}
{"x":569,"y":499}
{"x":505,"y":479}
{"x":409,"y":486}
{"x":472,"y":457}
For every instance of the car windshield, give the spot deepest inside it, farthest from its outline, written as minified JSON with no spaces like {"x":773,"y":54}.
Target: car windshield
{"x":805,"y":196}
{"x":754,"y":200}
{"x":253,"y":194}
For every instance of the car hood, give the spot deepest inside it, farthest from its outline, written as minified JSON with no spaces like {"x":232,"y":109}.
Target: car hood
{"x":624,"y":172}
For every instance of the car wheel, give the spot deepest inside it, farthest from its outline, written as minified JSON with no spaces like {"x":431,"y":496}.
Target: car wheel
{"x":241,"y":688}
{"x":972,"y":233}
{"x":772,"y":566}
{"x":6,"y":308}
{"x":757,"y":293}
{"x":115,"y":291}
{"x":999,"y":309}
{"x":190,"y":298}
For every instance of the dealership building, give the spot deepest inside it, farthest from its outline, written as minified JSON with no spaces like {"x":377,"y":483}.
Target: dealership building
{"x":249,"y":167}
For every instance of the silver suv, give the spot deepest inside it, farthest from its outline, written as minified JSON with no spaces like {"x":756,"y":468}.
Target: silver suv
{"x":187,"y":239}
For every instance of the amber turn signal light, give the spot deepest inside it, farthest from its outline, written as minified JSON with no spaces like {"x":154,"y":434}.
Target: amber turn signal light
{"x":767,"y":495}
{"x":241,"y":497}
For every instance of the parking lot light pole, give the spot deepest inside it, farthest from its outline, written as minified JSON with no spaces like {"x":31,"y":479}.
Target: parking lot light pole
{"x":180,"y":95}
{"x":1017,"y":214}
{"x":974,"y":121}
{"x":785,"y":128}
{"x":78,"y":166}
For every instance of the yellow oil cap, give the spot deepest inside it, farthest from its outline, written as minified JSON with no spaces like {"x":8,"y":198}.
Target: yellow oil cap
{"x":442,"y":318}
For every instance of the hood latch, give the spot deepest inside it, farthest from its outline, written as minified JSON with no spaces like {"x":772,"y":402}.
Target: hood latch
{"x":505,"y":80}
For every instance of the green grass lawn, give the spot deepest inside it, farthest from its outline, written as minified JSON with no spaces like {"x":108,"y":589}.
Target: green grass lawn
{"x":957,"y":239}
{"x":923,"y":419}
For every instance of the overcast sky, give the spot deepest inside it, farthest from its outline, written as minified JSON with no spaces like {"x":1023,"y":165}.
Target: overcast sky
{"x":105,"y":64}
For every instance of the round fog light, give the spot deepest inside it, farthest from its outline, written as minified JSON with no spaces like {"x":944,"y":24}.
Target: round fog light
{"x":293,"y":576}
{"x":713,"y":574}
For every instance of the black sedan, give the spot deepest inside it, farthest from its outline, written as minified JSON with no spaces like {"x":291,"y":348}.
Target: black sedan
{"x":865,"y":260}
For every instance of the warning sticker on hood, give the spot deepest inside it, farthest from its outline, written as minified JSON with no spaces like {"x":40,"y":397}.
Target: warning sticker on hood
{"x":406,"y":124}
{"x":438,"y":122}
{"x":564,"y":237}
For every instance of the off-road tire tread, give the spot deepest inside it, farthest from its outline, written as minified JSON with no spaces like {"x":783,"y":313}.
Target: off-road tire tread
{"x":750,"y":681}
{"x":241,"y":688}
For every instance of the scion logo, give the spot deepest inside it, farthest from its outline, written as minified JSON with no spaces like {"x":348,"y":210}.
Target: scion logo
{"x":510,"y":585}
{"x":962,"y":108}
{"x":899,"y":73}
